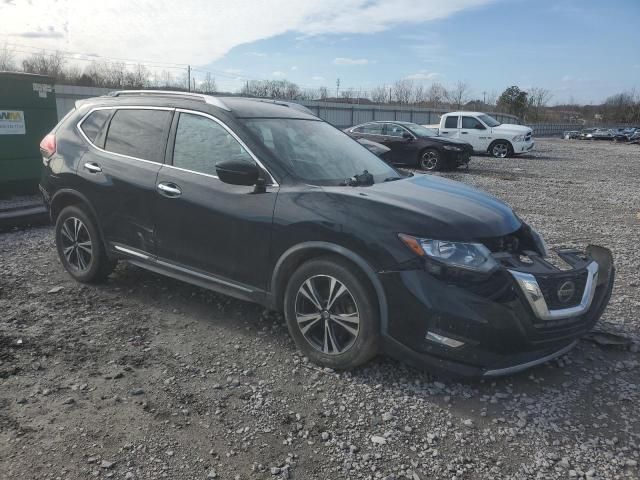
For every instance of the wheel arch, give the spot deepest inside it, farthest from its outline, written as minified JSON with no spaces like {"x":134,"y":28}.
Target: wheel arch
{"x":66,"y":197}
{"x":295,"y":256}
{"x":501,"y":140}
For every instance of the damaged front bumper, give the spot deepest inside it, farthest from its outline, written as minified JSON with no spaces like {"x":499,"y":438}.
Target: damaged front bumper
{"x":527,"y":312}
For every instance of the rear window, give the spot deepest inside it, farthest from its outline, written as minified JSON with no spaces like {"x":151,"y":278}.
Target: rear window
{"x":93,"y":124}
{"x":138,"y":133}
{"x":451,"y":122}
{"x":369,"y":129}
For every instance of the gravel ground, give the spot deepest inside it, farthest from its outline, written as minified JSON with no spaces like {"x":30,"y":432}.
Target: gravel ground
{"x":145,"y":377}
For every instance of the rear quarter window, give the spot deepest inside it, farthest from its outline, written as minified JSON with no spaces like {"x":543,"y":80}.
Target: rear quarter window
{"x":138,"y":133}
{"x":94,"y":123}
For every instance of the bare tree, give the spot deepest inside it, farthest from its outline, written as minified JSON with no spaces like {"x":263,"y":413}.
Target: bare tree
{"x":209,"y":84}
{"x":323,"y":93}
{"x":402,"y":91}
{"x":379,"y":94}
{"x":459,"y":94}
{"x":44,"y":64}
{"x":347,"y":94}
{"x":537,"y":100}
{"x":419,"y":94}
{"x":7,"y":63}
{"x":437,"y":95}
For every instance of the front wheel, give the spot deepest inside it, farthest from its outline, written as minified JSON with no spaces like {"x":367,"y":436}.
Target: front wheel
{"x":501,"y":149}
{"x":332,"y":313}
{"x":431,"y":160}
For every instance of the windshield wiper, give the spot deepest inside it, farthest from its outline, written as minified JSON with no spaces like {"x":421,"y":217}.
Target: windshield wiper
{"x":363,"y":179}
{"x":393,"y":179}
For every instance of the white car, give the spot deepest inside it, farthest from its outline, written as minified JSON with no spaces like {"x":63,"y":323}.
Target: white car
{"x":486,"y":134}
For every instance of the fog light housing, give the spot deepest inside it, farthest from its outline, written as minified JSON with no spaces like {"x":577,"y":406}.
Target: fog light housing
{"x":442,"y":340}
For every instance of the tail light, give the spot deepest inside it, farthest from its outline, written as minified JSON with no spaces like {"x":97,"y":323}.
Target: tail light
{"x":48,"y":145}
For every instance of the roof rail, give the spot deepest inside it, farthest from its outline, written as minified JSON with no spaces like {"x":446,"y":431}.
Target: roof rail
{"x":205,"y":98}
{"x":292,"y":105}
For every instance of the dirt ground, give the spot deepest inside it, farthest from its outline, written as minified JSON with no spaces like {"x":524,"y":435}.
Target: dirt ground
{"x":145,"y":377}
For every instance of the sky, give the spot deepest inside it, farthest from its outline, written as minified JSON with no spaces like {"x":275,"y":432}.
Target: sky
{"x":581,"y":51}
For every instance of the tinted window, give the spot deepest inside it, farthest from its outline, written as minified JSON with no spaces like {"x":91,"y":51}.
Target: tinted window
{"x":137,"y":133}
{"x":92,"y":125}
{"x":370,"y":129}
{"x":470,"y":122}
{"x":201,"y":143}
{"x":394,"y":130}
{"x":451,"y":122}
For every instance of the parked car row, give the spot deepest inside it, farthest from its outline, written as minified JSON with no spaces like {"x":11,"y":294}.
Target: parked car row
{"x":444,"y":146}
{"x":628,"y":134}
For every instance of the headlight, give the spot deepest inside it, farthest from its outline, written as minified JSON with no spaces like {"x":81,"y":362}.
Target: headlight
{"x":518,"y":138}
{"x":469,"y":256}
{"x":452,"y":148}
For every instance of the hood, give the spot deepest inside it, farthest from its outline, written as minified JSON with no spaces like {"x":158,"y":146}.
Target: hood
{"x":509,"y":128}
{"x":433,"y":207}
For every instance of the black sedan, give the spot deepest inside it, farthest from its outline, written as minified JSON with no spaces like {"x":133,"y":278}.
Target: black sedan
{"x":414,"y":145}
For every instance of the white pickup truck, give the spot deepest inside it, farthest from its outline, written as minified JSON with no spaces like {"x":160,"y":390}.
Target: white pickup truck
{"x":486,"y":134}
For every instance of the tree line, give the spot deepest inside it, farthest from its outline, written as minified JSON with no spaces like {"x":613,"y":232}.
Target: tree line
{"x":531,"y":105}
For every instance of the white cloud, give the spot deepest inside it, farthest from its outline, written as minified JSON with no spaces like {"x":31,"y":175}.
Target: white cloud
{"x":317,"y":78}
{"x":423,"y":75}
{"x":200,"y":31}
{"x":350,"y":61}
{"x":278,"y":73}
{"x":233,"y":71}
{"x":294,"y":68}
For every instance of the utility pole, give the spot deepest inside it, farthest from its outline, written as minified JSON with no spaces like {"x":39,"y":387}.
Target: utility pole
{"x":484,"y":97}
{"x":189,"y":77}
{"x":337,"y":87}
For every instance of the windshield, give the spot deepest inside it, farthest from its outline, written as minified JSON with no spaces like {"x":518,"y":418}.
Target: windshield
{"x":316,"y":152}
{"x":489,"y":120}
{"x":420,"y":131}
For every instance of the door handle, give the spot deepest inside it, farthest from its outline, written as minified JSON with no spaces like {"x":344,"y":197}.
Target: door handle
{"x":444,"y":132}
{"x":464,"y":133}
{"x":92,"y":167}
{"x":169,"y":189}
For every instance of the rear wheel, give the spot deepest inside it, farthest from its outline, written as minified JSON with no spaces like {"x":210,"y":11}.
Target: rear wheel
{"x":79,"y":246}
{"x":332,"y":313}
{"x":501,"y":149}
{"x":431,"y":160}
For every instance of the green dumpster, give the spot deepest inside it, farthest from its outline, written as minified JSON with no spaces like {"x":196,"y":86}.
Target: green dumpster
{"x":27,"y":114}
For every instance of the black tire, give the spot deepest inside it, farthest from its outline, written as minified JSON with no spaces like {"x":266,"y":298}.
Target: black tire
{"x":315,"y":343}
{"x":431,"y":160}
{"x":501,"y":149}
{"x":81,"y":252}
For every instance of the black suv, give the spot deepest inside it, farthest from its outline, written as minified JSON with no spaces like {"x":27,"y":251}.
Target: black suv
{"x":265,"y":202}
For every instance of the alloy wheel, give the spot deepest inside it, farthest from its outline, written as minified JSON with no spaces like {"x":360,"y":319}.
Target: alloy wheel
{"x":327,"y":314}
{"x":500,"y":150}
{"x":429,"y":160}
{"x":76,"y":244}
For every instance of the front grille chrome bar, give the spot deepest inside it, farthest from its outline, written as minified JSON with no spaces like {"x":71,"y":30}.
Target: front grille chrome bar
{"x":531,"y":289}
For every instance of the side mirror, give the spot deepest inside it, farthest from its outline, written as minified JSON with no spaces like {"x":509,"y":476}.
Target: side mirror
{"x":407,"y":136}
{"x":237,"y":172}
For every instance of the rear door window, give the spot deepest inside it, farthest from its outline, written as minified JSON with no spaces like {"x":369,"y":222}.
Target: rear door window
{"x":138,"y":133}
{"x":94,"y":123}
{"x":369,"y":129}
{"x":394,"y":130}
{"x":451,"y":122}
